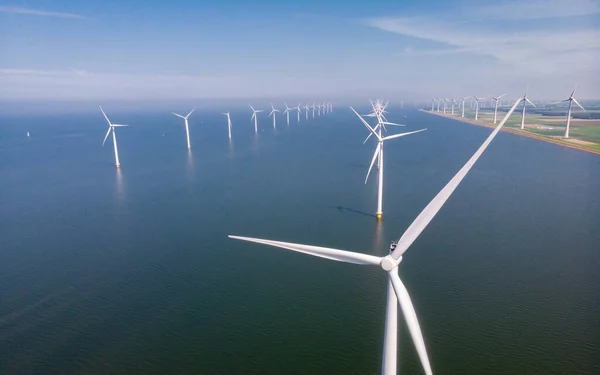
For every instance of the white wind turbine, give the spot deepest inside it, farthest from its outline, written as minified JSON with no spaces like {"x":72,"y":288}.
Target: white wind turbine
{"x":432,"y":104}
{"x":306,"y":107}
{"x":313,"y":110}
{"x":187,"y":128}
{"x":463,"y":105}
{"x":477,"y":100}
{"x":111,"y":127}
{"x":318,"y":109}
{"x":445,"y":104}
{"x":379,"y":155}
{"x":274,"y":113}
{"x":396,"y":291}
{"x":228,"y":123}
{"x":287,"y":113}
{"x":453,"y":103}
{"x":496,"y":99}
{"x":299,"y":110}
{"x":438,"y":104}
{"x":255,"y":118}
{"x":571,"y":100}
{"x":525,"y":100}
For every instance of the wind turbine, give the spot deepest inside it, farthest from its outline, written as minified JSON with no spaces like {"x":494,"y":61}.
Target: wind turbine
{"x":273,"y":113}
{"x":299,"y":110}
{"x":228,"y":123}
{"x":396,"y":291}
{"x":477,"y":100}
{"x":111,"y":127}
{"x":463,"y":105}
{"x":453,"y":103}
{"x":438,"y":104}
{"x":287,"y":113}
{"x":525,"y":100}
{"x":313,"y":110}
{"x":571,"y":100}
{"x":255,"y":118}
{"x":306,"y":107}
{"x":187,"y":129}
{"x":379,"y":154}
{"x":496,"y":99}
{"x":445,"y":103}
{"x":432,"y":104}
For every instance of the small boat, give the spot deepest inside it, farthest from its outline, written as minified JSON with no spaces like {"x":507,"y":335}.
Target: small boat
{"x":393,"y":245}
{"x":28,"y":134}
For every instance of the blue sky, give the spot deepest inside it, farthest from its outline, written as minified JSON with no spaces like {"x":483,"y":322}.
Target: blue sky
{"x":143,"y":50}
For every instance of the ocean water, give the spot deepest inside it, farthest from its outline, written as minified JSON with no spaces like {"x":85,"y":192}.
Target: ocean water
{"x":106,"y":271}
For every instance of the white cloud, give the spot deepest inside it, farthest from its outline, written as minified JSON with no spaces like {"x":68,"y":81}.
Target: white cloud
{"x":36,"y":12}
{"x":533,"y":9}
{"x":539,"y":50}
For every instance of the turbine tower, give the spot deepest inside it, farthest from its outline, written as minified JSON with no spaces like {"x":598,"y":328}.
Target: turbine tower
{"x":228,"y":123}
{"x":313,"y":110}
{"x":463,"y":105}
{"x":273,"y":113}
{"x":379,"y":154}
{"x":396,"y":291}
{"x":299,"y":110}
{"x":111,"y":127}
{"x":255,"y":118}
{"x":571,"y":100}
{"x":496,"y":99}
{"x":306,"y":107}
{"x":187,"y":129}
{"x":432,"y":104}
{"x":525,"y":100}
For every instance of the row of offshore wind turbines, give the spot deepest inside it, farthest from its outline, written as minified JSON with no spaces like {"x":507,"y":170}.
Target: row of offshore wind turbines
{"x":397,"y":294}
{"x":495,"y":102}
{"x":318,"y":109}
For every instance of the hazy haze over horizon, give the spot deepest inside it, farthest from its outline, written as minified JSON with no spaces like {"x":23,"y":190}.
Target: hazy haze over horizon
{"x":182,"y":50}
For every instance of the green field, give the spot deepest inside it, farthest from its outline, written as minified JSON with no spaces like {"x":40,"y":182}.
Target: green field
{"x":548,"y":125}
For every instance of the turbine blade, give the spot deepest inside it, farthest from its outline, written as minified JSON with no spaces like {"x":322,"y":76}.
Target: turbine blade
{"x":183,"y":117}
{"x":579,"y":105}
{"x":107,"y":133}
{"x":529,"y":101}
{"x":410,"y":315}
{"x":373,"y":160}
{"x":119,"y":125}
{"x":391,"y":123}
{"x":365,"y":123}
{"x":403,"y":134}
{"x":425,"y":217}
{"x":105,"y":116}
{"x":323,"y":252}
{"x":251,"y":107}
{"x":368,"y":136}
{"x":188,"y":115}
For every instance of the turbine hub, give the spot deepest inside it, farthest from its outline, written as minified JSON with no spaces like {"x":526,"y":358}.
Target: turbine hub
{"x":388,"y":263}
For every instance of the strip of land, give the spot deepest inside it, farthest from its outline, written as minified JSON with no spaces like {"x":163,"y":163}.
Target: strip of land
{"x":487,"y":121}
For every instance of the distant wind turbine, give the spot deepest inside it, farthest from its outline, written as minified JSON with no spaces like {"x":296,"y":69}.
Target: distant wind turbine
{"x":379,"y":155}
{"x":299,"y":110}
{"x":463,"y":105}
{"x":273,"y":113}
{"x":255,"y":118}
{"x":287,"y":113}
{"x":306,"y":107}
{"x":228,"y":123}
{"x":571,"y":100}
{"x":396,"y":291}
{"x":496,"y":99}
{"x":111,"y":127}
{"x":477,"y":100}
{"x":313,"y":110}
{"x":525,"y":100}
{"x":432,"y":104}
{"x":453,"y":103}
{"x":187,"y":129}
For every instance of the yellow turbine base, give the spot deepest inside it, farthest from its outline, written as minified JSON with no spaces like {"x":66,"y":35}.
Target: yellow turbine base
{"x":118,"y":165}
{"x":378,"y":215}
{"x":189,"y":147}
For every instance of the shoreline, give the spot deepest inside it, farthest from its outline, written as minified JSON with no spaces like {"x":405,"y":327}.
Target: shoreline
{"x":556,"y":141}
